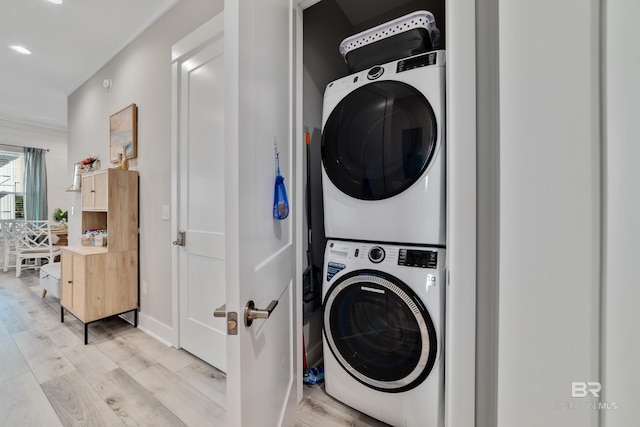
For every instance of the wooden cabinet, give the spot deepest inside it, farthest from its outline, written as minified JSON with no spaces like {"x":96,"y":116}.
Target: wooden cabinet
{"x":99,"y":282}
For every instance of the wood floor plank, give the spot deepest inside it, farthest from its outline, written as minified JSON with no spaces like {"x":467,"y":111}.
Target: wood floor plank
{"x":108,"y":328}
{"x":125,"y":355}
{"x":12,"y":363}
{"x":77,"y":403}
{"x":173,"y":359}
{"x":15,"y":318}
{"x":89,"y":361}
{"x":191,"y":406}
{"x":62,"y":337}
{"x":208,"y":380}
{"x":4,"y":334}
{"x":47,"y":319}
{"x":44,"y":358}
{"x":131,"y":402}
{"x":28,"y":301}
{"x":318,"y":409}
{"x":22,"y":403}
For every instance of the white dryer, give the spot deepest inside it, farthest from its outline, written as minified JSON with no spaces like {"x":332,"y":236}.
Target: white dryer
{"x":383,"y":153}
{"x":383,"y":330}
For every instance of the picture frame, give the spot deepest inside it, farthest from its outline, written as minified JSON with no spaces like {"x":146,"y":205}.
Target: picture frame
{"x":123,"y":132}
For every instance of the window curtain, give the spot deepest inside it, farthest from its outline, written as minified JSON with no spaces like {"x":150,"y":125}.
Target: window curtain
{"x":35,"y":184}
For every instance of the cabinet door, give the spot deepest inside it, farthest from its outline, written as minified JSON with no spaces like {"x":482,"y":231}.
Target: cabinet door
{"x":66,"y":280}
{"x":72,"y":283}
{"x":100,"y":190}
{"x":94,"y":191}
{"x":79,"y":286}
{"x":87,"y":192}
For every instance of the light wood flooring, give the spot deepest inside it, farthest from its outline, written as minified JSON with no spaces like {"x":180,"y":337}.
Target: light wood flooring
{"x":48,"y":377}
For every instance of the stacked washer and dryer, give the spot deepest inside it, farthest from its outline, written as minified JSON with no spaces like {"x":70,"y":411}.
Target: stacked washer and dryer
{"x":383,"y":178}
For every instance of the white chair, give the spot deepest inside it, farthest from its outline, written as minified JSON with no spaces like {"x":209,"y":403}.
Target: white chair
{"x":9,"y":228}
{"x":33,"y":244}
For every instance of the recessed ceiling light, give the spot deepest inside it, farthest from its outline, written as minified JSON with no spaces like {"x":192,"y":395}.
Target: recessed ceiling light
{"x":20,"y":49}
{"x":55,"y":1}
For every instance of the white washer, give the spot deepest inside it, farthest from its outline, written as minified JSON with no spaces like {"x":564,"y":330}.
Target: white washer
{"x":383,"y":330}
{"x":383,"y":153}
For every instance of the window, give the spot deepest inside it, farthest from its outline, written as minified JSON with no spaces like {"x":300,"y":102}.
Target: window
{"x":11,"y":184}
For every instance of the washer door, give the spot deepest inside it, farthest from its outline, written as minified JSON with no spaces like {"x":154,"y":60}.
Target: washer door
{"x":379,"y":331}
{"x":379,"y":140}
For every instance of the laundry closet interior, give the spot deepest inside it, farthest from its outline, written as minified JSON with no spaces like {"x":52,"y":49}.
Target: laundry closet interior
{"x":325,"y":25}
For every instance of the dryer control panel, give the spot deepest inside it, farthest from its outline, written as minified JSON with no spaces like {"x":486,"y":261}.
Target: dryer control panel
{"x":417,"y":62}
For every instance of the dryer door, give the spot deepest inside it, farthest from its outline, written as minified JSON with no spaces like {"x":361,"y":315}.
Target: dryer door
{"x":379,"y":331}
{"x":379,"y":140}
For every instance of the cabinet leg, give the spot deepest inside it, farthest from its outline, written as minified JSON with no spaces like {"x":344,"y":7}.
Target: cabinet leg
{"x":61,"y":314}
{"x":86,"y":333}
{"x":135,"y":318}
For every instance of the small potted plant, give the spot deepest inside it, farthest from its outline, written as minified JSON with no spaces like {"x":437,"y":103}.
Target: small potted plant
{"x":60,"y":216}
{"x":90,"y":164}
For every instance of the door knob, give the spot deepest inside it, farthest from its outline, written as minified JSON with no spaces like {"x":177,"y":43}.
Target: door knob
{"x":251,"y":312}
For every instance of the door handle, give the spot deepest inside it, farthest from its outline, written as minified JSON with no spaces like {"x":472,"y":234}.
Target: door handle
{"x":180,"y":240}
{"x":220,"y":311}
{"x":251,"y":312}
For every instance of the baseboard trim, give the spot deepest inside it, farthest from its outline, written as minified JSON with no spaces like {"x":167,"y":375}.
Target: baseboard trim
{"x":157,"y":329}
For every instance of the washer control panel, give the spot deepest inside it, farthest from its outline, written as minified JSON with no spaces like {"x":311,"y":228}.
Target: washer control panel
{"x":418,"y":258}
{"x":376,"y":254}
{"x":343,"y":255}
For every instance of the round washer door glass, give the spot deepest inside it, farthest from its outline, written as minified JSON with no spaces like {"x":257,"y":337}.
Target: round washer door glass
{"x":379,"y":140}
{"x":379,"y":331}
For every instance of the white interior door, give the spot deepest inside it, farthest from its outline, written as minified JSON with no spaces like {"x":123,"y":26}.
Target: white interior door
{"x":201,"y":208}
{"x":262,"y":365}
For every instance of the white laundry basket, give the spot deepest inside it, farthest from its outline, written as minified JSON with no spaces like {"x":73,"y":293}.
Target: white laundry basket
{"x":402,"y":37}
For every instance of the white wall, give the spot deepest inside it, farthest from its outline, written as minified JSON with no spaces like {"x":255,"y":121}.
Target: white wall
{"x":621,"y":345}
{"x":549,"y":210}
{"x":141,"y":74}
{"x":59,"y":177}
